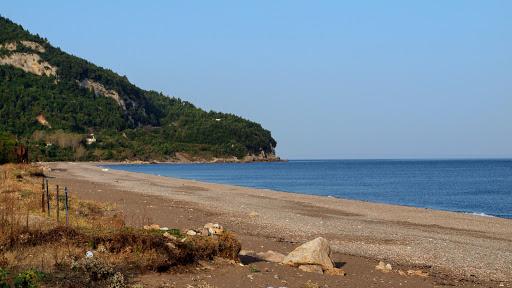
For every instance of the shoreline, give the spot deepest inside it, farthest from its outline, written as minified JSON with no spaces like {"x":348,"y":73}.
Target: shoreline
{"x":102,"y":164}
{"x":459,"y":244}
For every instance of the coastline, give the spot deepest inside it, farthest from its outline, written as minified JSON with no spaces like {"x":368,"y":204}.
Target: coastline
{"x":463,"y":245}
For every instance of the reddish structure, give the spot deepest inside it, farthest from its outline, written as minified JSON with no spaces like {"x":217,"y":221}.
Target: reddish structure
{"x":21,"y":152}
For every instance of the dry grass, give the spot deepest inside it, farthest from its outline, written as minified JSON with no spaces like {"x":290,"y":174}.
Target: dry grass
{"x":30,"y":240}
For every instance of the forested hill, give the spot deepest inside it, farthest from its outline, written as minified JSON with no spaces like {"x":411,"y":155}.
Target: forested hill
{"x":66,"y":108}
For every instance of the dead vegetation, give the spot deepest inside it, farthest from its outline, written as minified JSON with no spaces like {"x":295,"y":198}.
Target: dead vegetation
{"x":95,"y":249}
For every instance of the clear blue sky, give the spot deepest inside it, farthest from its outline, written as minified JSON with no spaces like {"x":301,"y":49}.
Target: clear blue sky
{"x":330,"y":79}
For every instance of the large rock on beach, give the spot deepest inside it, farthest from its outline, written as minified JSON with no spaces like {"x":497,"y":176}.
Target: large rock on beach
{"x":314,"y":252}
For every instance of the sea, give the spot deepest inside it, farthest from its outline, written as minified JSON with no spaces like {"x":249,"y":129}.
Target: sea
{"x":480,"y":187}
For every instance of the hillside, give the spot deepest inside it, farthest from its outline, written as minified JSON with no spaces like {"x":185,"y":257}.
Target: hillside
{"x":66,"y":108}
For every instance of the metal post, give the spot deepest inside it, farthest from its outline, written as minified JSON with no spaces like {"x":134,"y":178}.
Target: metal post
{"x":66,"y":205}
{"x":42,"y":197}
{"x":57,"y":204}
{"x":47,"y":198}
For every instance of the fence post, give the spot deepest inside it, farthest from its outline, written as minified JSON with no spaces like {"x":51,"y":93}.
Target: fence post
{"x":66,"y":205}
{"x":42,"y":196}
{"x":47,"y":198}
{"x":57,"y":204}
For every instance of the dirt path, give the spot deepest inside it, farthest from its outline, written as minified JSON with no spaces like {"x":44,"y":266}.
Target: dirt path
{"x":456,"y":249}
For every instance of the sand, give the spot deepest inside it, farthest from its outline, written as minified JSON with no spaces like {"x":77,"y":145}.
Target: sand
{"x":455,"y":248}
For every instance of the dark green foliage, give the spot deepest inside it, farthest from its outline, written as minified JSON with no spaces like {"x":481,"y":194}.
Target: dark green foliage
{"x":3,"y":278}
{"x":7,"y":144}
{"x":28,"y":279}
{"x":153,"y":126}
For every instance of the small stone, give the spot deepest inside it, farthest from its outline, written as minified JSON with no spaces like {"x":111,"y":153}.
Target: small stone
{"x":335,"y":272}
{"x":312,"y":268}
{"x":191,"y":233}
{"x":271,"y":256}
{"x":170,"y":245}
{"x":402,"y":273}
{"x":417,"y":273}
{"x":254,"y":214}
{"x":384,"y":267}
{"x":214,"y":229}
{"x":204,"y":232}
{"x":152,"y":227}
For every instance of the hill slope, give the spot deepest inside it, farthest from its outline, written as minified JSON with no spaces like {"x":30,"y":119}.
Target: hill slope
{"x":53,"y":102}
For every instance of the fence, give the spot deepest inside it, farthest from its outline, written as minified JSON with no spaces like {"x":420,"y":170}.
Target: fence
{"x":46,"y":199}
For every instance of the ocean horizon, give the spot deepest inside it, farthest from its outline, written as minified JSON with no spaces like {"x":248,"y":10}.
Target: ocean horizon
{"x":475,"y":186}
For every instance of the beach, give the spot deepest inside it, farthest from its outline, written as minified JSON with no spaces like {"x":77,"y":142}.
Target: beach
{"x":454,"y":248}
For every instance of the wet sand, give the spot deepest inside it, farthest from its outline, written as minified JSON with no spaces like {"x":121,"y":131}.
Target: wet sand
{"x":455,"y":248}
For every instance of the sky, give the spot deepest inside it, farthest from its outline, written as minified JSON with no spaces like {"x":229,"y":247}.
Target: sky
{"x":329,"y":79}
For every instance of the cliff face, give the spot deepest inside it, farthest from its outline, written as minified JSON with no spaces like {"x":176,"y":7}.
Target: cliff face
{"x":40,"y":82}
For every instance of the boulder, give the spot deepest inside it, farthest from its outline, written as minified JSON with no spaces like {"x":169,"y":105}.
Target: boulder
{"x":314,"y":252}
{"x":312,"y":269}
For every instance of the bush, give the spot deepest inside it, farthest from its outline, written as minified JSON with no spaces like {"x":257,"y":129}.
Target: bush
{"x":28,"y":279}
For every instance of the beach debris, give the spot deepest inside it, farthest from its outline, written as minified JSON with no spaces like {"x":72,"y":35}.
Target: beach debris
{"x":312,"y":268}
{"x":314,"y":252}
{"x":152,"y":227}
{"x":418,"y":273}
{"x":89,"y":254}
{"x":384,"y":267}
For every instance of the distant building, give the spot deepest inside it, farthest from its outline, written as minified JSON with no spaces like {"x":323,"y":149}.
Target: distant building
{"x":90,"y":139}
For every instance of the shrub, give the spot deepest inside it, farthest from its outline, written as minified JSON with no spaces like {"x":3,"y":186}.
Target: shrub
{"x":28,"y":279}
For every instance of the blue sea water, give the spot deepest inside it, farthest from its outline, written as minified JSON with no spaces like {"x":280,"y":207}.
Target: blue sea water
{"x":473,"y":186}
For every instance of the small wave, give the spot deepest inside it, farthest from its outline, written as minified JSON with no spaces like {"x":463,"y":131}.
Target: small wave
{"x":480,"y":214}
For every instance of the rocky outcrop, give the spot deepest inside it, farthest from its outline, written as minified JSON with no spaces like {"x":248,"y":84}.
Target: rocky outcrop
{"x":29,"y":62}
{"x":13,"y":46}
{"x":99,"y":89}
{"x":42,"y":120}
{"x":34,"y":46}
{"x":262,"y":157}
